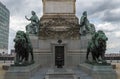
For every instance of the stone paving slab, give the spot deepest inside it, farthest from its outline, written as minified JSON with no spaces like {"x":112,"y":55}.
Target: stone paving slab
{"x":61,"y":73}
{"x":2,"y":72}
{"x":41,"y":74}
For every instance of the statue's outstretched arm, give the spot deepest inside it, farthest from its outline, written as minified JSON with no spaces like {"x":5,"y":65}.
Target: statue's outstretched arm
{"x":27,"y":18}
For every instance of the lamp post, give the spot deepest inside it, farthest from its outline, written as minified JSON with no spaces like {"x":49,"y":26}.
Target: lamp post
{"x":3,"y":53}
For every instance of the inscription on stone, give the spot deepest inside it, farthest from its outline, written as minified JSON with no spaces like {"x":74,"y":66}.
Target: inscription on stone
{"x":59,"y":7}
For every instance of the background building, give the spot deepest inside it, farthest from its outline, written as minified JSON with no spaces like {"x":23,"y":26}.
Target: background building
{"x":4,"y":28}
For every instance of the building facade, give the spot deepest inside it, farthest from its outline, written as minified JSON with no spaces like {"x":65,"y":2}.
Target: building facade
{"x":4,"y":28}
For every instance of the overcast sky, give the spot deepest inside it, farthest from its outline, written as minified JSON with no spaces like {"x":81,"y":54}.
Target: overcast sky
{"x":105,"y":14}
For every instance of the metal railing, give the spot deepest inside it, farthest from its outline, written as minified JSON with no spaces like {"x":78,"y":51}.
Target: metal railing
{"x":7,"y":58}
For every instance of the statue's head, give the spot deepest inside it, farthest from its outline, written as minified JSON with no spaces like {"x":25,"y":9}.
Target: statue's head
{"x":21,"y":33}
{"x":33,"y":13}
{"x":92,"y":28}
{"x":100,"y":31}
{"x":101,"y":38}
{"x":19,"y":36}
{"x":85,"y":13}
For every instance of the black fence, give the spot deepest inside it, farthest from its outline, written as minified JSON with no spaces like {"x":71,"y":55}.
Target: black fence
{"x":112,"y":58}
{"x":6,"y":58}
{"x":11,"y":58}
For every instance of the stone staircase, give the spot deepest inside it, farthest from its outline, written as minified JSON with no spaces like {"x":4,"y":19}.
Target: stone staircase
{"x":60,"y":74}
{"x":41,"y":74}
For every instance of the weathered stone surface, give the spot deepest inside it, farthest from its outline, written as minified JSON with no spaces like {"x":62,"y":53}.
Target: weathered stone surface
{"x":5,"y":67}
{"x":84,"y":41}
{"x":24,"y":72}
{"x":60,"y":74}
{"x":59,"y":20}
{"x":59,"y":27}
{"x":58,"y":6}
{"x":99,"y":72}
{"x":45,"y":52}
{"x":35,"y":41}
{"x":71,"y":59}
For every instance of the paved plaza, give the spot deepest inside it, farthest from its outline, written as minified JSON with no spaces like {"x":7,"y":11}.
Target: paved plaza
{"x":118,"y":70}
{"x":42,"y":71}
{"x":80,"y":74}
{"x":2,"y":72}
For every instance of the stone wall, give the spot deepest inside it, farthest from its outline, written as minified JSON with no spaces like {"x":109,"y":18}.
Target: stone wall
{"x":45,"y":52}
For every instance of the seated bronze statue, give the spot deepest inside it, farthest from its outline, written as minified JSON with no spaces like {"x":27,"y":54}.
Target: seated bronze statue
{"x":33,"y":27}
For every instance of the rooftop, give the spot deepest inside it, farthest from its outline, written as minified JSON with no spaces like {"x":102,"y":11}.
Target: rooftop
{"x":1,"y":4}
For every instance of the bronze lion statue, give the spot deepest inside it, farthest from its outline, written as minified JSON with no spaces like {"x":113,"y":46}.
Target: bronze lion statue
{"x":97,"y":47}
{"x":23,"y":48}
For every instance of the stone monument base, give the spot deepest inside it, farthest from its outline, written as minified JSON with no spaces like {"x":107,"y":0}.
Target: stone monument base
{"x":60,"y":74}
{"x":44,"y":51}
{"x":21,"y":72}
{"x":84,"y":39}
{"x":99,"y":71}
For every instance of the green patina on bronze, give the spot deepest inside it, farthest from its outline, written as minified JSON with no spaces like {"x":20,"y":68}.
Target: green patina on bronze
{"x":23,"y":48}
{"x":97,"y":47}
{"x":85,"y":26}
{"x":33,"y":27}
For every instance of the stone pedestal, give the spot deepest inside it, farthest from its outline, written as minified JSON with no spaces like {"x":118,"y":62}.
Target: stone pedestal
{"x":44,"y":54}
{"x":59,"y":7}
{"x":59,"y":22}
{"x":99,"y":72}
{"x":84,"y":41}
{"x":34,"y":40}
{"x":24,"y":72}
{"x":60,"y":74}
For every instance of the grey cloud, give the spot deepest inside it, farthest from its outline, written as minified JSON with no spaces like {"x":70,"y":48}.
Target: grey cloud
{"x":109,"y":31}
{"x":20,"y":8}
{"x":112,"y":30}
{"x":11,"y":37}
{"x":112,"y":40}
{"x":102,"y":10}
{"x":14,"y":5}
{"x":110,"y":17}
{"x":98,"y":9}
{"x":103,"y":6}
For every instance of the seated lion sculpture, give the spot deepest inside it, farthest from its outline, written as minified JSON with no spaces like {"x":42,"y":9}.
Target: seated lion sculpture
{"x":22,"y":48}
{"x":97,"y":47}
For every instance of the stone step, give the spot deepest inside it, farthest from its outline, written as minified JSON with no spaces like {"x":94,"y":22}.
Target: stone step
{"x":60,"y":77}
{"x":60,"y":74}
{"x":79,"y":74}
